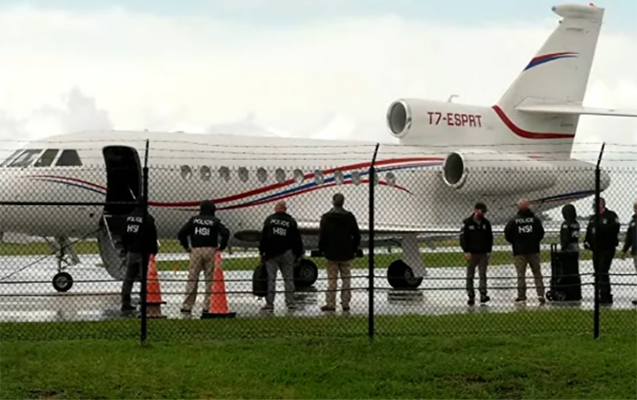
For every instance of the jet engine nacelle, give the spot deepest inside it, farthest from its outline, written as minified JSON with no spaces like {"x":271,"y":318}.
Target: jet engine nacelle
{"x":414,"y":120}
{"x":494,"y":173}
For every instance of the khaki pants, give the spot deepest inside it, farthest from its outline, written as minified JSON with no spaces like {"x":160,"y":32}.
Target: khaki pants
{"x":481,"y":261}
{"x":333,"y":269}
{"x":201,"y":258}
{"x":521,"y":262}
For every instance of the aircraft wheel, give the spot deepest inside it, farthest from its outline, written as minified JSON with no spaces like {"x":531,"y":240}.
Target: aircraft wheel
{"x":305,"y":274}
{"x":62,"y":281}
{"x":401,"y":276}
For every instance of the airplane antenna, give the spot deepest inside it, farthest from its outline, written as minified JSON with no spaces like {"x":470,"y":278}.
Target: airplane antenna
{"x":451,"y":98}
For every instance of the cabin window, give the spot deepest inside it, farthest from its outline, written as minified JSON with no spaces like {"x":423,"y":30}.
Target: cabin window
{"x":356,"y":177}
{"x":46,"y":159}
{"x":205,"y":173}
{"x":298,"y":176}
{"x":69,"y":158}
{"x":279,"y":175}
{"x":186,"y":172}
{"x":262,"y":175}
{"x":224,"y":173}
{"x":338,"y":177}
{"x":243,"y":174}
{"x":390,"y":178}
{"x":26,"y":158}
{"x":6,"y":161}
{"x":318,"y":177}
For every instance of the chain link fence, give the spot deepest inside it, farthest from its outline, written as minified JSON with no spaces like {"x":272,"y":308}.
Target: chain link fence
{"x":63,"y":211}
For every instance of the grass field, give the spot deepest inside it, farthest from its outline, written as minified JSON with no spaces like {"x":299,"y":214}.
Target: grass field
{"x":187,"y":359}
{"x":383,"y":260}
{"x":432,"y":260}
{"x":167,"y":246}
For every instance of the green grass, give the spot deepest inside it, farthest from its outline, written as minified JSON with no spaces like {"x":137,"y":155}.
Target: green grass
{"x":186,"y":359}
{"x":167,"y":246}
{"x":80,"y":247}
{"x":432,"y":260}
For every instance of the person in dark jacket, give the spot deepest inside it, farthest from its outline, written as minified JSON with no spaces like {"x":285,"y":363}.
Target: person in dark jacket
{"x":339,"y":238}
{"x":525,"y":232}
{"x":568,"y":272}
{"x":207,"y":235}
{"x":630,"y":241}
{"x":140,"y":242}
{"x":605,"y":244}
{"x":281,"y":248}
{"x":476,"y":241}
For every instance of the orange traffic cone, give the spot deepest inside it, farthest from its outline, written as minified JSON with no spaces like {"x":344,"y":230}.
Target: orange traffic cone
{"x":218,"y":298}
{"x":153,"y":291}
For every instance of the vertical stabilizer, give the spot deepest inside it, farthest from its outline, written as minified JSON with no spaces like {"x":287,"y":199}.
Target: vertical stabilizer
{"x":559,"y":72}
{"x":557,"y":75}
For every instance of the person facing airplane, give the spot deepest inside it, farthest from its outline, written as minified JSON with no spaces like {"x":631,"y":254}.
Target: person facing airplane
{"x":525,"y":232}
{"x":476,"y":241}
{"x":281,"y":246}
{"x":339,"y":238}
{"x":204,"y":231}
{"x":139,"y":242}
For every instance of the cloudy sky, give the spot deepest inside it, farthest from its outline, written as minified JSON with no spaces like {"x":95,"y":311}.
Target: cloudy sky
{"x":325,"y":68}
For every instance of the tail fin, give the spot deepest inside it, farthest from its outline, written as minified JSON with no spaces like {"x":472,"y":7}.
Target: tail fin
{"x":558,"y":74}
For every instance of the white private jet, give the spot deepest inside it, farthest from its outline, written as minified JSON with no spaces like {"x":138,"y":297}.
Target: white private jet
{"x":520,"y":144}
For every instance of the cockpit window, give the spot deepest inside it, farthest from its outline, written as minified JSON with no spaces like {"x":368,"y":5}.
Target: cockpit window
{"x":6,"y":161}
{"x":25,"y":158}
{"x":69,"y":158}
{"x":46,"y":159}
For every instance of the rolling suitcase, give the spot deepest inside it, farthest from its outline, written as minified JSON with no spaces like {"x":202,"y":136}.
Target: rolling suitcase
{"x":565,"y":280}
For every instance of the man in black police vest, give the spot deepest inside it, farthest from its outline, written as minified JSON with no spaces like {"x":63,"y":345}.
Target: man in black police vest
{"x":280,"y":247}
{"x":525,"y":232}
{"x":476,"y":241}
{"x":630,"y":242}
{"x":138,"y":246}
{"x":207,"y":235}
{"x":606,"y":247}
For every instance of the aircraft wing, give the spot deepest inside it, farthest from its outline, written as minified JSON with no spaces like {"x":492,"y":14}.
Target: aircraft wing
{"x":575,"y":109}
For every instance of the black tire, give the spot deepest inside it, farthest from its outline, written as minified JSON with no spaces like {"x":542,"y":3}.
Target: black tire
{"x":305,"y":274}
{"x":62,"y":282}
{"x":401,"y":276}
{"x":549,"y":295}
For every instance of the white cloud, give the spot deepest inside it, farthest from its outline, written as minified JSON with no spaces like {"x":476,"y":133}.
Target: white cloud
{"x":190,"y":73}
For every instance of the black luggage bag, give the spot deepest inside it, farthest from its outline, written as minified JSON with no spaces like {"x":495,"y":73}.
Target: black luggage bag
{"x":566,"y":284}
{"x":260,"y":281}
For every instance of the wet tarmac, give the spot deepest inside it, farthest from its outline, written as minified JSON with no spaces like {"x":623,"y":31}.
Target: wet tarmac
{"x":30,"y":296}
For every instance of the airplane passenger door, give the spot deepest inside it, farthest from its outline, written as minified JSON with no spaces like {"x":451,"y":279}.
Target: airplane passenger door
{"x":123,"y":178}
{"x":123,"y":184}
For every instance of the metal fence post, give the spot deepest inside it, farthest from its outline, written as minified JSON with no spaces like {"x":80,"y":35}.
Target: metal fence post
{"x":595,"y":244}
{"x":372,"y":181}
{"x":145,"y":256}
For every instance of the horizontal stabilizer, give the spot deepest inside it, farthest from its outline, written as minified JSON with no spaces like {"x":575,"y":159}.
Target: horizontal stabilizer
{"x":574,"y":109}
